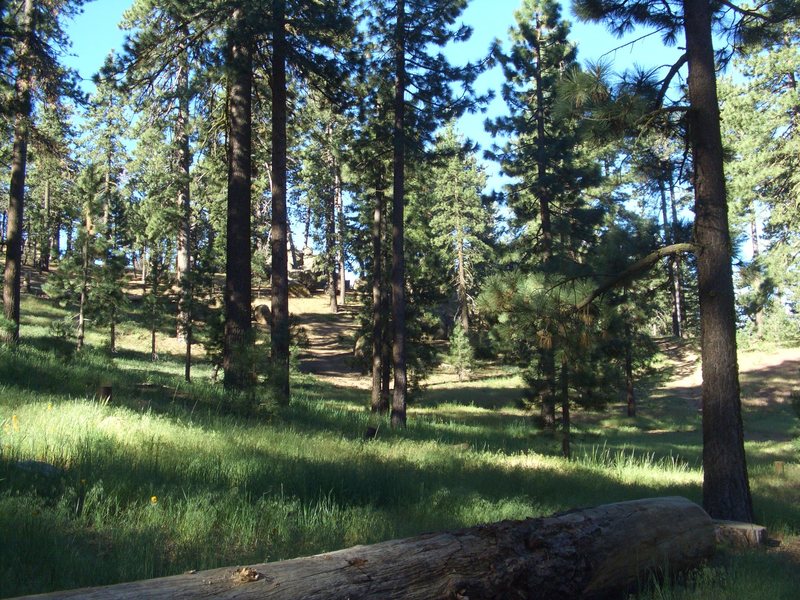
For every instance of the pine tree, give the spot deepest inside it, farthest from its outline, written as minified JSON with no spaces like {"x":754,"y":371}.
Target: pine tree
{"x":412,"y":30}
{"x":37,"y":37}
{"x":726,"y":491}
{"x":540,"y":154}
{"x":460,"y":219}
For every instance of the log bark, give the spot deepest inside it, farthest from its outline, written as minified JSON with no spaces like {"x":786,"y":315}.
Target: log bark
{"x":580,"y":554}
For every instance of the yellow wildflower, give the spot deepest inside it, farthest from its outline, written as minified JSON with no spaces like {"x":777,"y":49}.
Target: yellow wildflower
{"x":154,"y":500}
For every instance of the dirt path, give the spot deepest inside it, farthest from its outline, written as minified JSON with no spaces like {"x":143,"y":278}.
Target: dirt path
{"x":331,"y":338}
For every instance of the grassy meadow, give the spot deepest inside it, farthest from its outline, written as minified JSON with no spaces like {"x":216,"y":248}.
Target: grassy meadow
{"x":170,"y":476}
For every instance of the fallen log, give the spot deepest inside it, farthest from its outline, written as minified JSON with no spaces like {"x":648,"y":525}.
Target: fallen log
{"x":579,"y":554}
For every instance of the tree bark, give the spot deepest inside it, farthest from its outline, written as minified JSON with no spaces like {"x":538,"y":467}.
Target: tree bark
{"x":398,"y":226}
{"x":337,"y":185}
{"x":330,"y":227}
{"x":678,"y":259}
{"x":726,"y":489}
{"x":44,"y":263}
{"x":238,"y":294}
{"x":19,"y":159}
{"x":463,"y":299}
{"x":184,"y":263}
{"x":280,"y":270}
{"x":592,"y":553}
{"x":669,"y":238}
{"x":377,"y":403}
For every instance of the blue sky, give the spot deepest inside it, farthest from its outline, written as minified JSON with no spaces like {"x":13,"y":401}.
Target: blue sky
{"x":95,"y":33}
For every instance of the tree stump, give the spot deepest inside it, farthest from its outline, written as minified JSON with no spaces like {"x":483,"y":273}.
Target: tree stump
{"x":580,"y":554}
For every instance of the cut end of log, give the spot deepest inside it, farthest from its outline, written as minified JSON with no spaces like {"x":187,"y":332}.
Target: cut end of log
{"x":739,"y":535}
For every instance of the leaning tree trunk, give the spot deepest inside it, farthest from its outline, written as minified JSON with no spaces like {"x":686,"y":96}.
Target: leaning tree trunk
{"x":19,"y":159}
{"x":398,"y":232}
{"x":238,"y":294}
{"x":280,"y":269}
{"x":599,"y":552}
{"x":726,"y":490}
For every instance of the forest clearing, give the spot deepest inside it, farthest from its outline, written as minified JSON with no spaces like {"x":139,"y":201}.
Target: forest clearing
{"x":163,"y":479}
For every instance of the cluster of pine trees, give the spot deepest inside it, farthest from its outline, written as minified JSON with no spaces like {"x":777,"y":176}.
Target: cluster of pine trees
{"x":223,"y":121}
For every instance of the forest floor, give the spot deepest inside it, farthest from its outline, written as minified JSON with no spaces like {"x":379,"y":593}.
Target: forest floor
{"x":172,"y":476}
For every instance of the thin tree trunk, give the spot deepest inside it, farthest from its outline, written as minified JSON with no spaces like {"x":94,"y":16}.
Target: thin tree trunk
{"x":566,"y":447}
{"x":112,"y":336}
{"x":726,"y":489}
{"x":629,"y":389}
{"x":386,"y":349}
{"x":238,"y":293}
{"x":757,"y":283}
{"x":669,"y":238}
{"x":55,"y":249}
{"x":378,"y":316}
{"x":678,"y":260}
{"x":330,"y":227}
{"x":398,"y":225}
{"x":183,"y":264}
{"x":280,"y":272}
{"x":44,"y":263}
{"x":19,"y":158}
{"x":84,"y":292}
{"x":337,"y":183}
{"x":462,"y":284}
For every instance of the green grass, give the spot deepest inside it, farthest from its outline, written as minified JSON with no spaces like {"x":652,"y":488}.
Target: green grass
{"x":173,"y":476}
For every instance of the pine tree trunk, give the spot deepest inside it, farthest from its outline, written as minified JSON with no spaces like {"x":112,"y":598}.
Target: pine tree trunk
{"x":19,"y":159}
{"x":280,"y":271}
{"x":238,"y":300}
{"x":55,"y":249}
{"x":758,"y":317}
{"x":183,"y":264}
{"x":44,"y":263}
{"x":566,"y":447}
{"x":398,"y":225}
{"x":677,"y":261}
{"x":669,"y":238}
{"x":378,"y":316}
{"x":726,"y":490}
{"x":629,"y":389}
{"x":84,"y":292}
{"x":330,"y":228}
{"x":548,"y":413}
{"x":337,"y":184}
{"x":112,"y":334}
{"x":462,"y":285}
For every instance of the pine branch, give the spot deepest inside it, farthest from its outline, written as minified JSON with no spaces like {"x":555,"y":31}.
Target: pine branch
{"x":636,"y":269}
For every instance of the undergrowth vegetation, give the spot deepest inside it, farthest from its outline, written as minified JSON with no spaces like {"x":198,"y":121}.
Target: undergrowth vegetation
{"x":168,"y":476}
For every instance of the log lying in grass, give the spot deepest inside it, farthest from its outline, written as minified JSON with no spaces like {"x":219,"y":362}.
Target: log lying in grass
{"x":581,"y":554}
